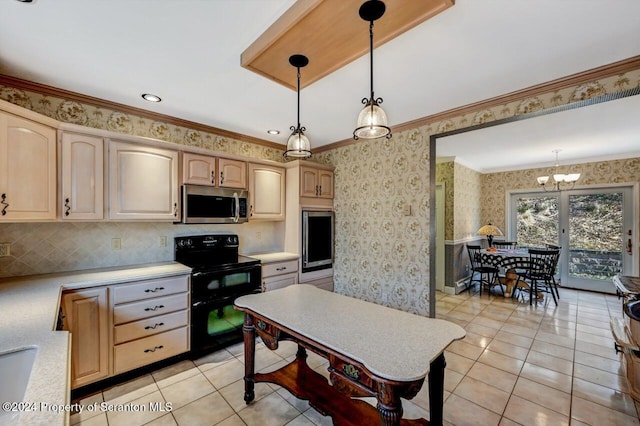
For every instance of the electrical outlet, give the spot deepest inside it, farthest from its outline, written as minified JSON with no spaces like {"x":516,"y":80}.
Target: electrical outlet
{"x":258,"y":235}
{"x":116,"y":244}
{"x":163,"y":241}
{"x":5,"y":249}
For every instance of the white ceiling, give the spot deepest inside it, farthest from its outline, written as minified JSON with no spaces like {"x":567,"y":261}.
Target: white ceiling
{"x":188,"y":52}
{"x":604,"y":131}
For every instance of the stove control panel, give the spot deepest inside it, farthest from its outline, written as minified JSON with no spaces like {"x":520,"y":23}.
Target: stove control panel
{"x":215,"y":241}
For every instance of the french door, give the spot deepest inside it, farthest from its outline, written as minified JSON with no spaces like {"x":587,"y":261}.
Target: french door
{"x":594,"y":228}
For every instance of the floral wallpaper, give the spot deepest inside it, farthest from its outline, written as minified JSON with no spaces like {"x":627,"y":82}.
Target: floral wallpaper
{"x":445,"y":174}
{"x":462,"y":188}
{"x":70,"y":111}
{"x":383,"y":256}
{"x":467,"y":202}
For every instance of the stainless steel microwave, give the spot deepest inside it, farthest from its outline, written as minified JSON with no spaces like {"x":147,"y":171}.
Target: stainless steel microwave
{"x":206,"y":204}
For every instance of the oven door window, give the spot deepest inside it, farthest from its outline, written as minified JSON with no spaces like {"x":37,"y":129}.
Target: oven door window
{"x":223,"y":320}
{"x":215,"y":324}
{"x":215,"y":285}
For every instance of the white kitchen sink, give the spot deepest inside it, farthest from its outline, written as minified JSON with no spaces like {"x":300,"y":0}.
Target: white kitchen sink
{"x":15,"y":369}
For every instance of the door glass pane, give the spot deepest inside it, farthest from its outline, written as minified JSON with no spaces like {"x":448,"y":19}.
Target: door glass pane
{"x":537,"y":220}
{"x":595,"y":235}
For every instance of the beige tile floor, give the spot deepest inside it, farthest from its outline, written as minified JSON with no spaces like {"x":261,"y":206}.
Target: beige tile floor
{"x":518,"y":365}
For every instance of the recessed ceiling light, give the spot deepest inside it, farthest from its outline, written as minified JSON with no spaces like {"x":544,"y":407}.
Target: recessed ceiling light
{"x":151,"y":98}
{"x":273,"y":132}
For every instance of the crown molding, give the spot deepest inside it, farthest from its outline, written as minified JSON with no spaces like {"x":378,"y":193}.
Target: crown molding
{"x":43,"y":89}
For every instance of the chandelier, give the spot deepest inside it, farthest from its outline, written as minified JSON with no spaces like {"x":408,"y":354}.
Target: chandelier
{"x":372,"y":120}
{"x":559,"y":179}
{"x":298,"y":145}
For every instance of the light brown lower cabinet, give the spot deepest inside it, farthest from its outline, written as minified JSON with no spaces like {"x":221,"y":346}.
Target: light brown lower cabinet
{"x":121,"y":327}
{"x":86,"y":317}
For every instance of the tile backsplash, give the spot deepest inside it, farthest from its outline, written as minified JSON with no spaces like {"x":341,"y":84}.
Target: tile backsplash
{"x":38,"y":248}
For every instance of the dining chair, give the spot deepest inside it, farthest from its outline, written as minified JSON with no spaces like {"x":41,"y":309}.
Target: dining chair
{"x":540,"y":273}
{"x":488,"y":274}
{"x":505,"y":244}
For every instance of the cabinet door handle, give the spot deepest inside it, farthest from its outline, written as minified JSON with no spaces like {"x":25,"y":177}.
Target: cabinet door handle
{"x":3,"y":198}
{"x":317,"y":188}
{"x":320,"y":188}
{"x":154,"y":349}
{"x":175,"y":209}
{"x":149,"y":290}
{"x":281,"y":269}
{"x":153,"y":327}
{"x":67,"y":207}
{"x":251,"y":210}
{"x":155,"y":308}
{"x":213,"y":176}
{"x":221,"y":178}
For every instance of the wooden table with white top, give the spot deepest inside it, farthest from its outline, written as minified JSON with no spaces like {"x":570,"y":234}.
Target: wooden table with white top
{"x":372,"y":351}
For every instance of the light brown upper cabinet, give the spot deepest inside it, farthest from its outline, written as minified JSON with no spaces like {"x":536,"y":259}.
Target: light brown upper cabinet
{"x":213,"y":171}
{"x":232,"y":173}
{"x":143,"y":182}
{"x":198,"y":169}
{"x":315,"y":182}
{"x":27,"y":170}
{"x":82,"y":185}
{"x":266,"y":192}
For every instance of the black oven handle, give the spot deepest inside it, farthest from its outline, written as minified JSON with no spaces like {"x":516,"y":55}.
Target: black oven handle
{"x":223,"y":301}
{"x":233,"y":270}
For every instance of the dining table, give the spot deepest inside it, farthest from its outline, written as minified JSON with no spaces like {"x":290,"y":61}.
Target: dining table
{"x":505,"y":259}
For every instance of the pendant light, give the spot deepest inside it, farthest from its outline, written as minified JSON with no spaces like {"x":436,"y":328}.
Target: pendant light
{"x":298,"y":144}
{"x":372,"y":121}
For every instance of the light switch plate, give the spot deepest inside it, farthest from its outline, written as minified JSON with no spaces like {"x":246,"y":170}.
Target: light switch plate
{"x":406,"y":209}
{"x":5,"y":249}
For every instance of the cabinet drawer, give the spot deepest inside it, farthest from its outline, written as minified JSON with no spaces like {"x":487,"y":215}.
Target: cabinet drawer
{"x":279,"y":268}
{"x":149,"y":308}
{"x":149,"y":326}
{"x":137,"y":353}
{"x":280,"y":281}
{"x":147,"y":289}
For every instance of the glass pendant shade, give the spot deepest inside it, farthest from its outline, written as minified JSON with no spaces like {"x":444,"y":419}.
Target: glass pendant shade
{"x":558,"y":178}
{"x":298,"y":145}
{"x":372,"y":122}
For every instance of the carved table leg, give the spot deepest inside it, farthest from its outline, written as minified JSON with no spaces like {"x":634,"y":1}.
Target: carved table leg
{"x":436,"y":390}
{"x":249,"y":334}
{"x":389,"y":405}
{"x":301,"y":355}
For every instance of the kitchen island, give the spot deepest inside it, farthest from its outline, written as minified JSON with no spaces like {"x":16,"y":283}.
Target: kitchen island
{"x":372,"y":351}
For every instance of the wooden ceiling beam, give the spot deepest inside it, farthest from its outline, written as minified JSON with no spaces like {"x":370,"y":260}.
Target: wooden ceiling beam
{"x":331,"y":34}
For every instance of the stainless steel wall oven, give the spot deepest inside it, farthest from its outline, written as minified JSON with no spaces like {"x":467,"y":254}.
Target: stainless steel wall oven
{"x":317,"y":240}
{"x":219,"y":276}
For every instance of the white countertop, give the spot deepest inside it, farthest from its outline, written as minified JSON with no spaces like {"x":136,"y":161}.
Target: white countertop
{"x":274,"y":257}
{"x":28,"y":316}
{"x":392,"y":344}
